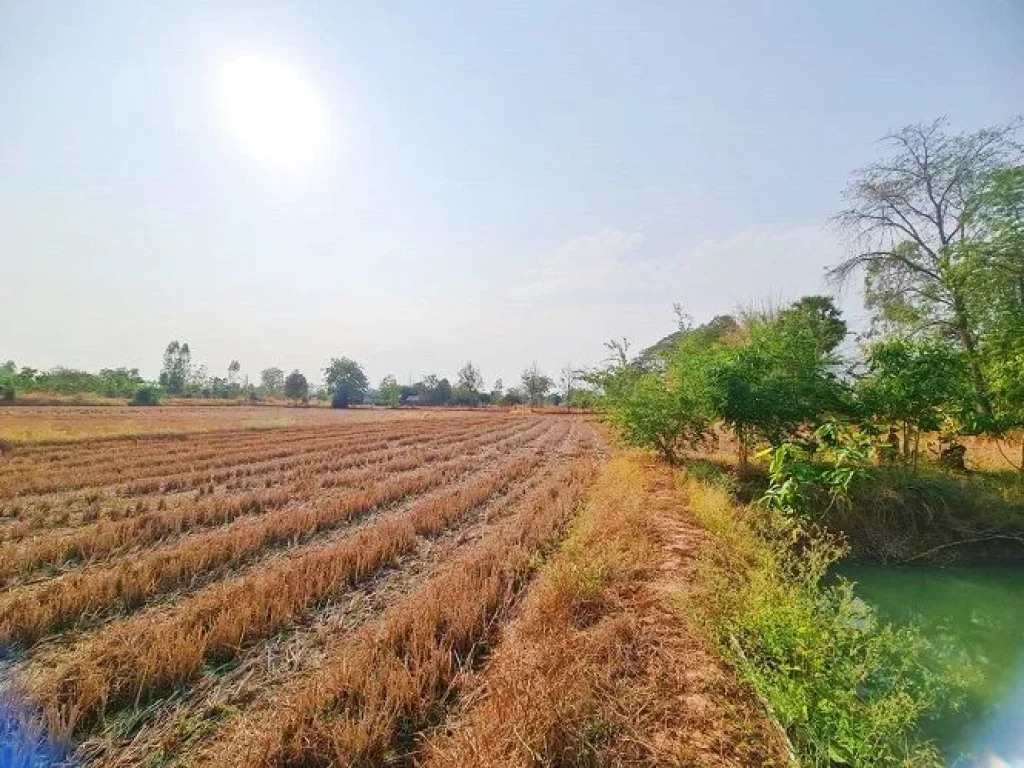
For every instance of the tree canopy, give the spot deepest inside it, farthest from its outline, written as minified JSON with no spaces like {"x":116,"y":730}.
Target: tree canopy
{"x":345,"y":380}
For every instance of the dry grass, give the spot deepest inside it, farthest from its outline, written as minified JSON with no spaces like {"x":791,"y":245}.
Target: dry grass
{"x":364,"y":702}
{"x":148,"y":578}
{"x":30,"y":424}
{"x":35,"y":611}
{"x":223,"y":540}
{"x":600,"y":667}
{"x":356,"y":465}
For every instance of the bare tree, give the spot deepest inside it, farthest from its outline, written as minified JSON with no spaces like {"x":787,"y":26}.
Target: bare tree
{"x":567,"y":380}
{"x":906,"y":216}
{"x":618,"y":351}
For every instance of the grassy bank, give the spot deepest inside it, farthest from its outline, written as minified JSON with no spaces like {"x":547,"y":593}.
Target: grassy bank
{"x":932,"y":515}
{"x":847,"y":689}
{"x":896,"y":514}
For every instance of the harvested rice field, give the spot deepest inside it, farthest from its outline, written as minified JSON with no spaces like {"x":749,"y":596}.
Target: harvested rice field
{"x":323,"y":593}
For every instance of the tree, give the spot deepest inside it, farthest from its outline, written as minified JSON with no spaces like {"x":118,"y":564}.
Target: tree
{"x":296,"y":388}
{"x":390,"y":391}
{"x":177,"y":369}
{"x":915,"y":383}
{"x":468,"y":386}
{"x":667,"y":412}
{"x":567,"y":382}
{"x":233,"y":369}
{"x":272,"y":381}
{"x":782,"y":379}
{"x":497,"y":390}
{"x":908,"y":215}
{"x":442,"y":394}
{"x":535,"y":384}
{"x":119,"y":382}
{"x":345,"y":379}
{"x":514,"y":396}
{"x":993,"y":277}
{"x":146,"y":395}
{"x":469,"y":378}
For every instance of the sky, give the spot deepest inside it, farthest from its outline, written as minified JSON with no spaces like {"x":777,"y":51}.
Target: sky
{"x":424,"y":183}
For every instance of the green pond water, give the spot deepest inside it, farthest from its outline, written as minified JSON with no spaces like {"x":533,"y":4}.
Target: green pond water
{"x":974,"y":615}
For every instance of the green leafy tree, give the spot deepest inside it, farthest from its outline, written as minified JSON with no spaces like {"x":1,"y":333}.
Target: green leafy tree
{"x":8,"y":381}
{"x":390,"y":391}
{"x":663,"y":413}
{"x":119,"y":382}
{"x":469,"y":378}
{"x":917,"y":384}
{"x":296,"y":388}
{"x":817,"y":475}
{"x":513,"y":396}
{"x":469,"y":384}
{"x":177,"y":368}
{"x":783,"y":378}
{"x":442,"y":394}
{"x":993,"y":276}
{"x":146,"y":395}
{"x":345,"y":379}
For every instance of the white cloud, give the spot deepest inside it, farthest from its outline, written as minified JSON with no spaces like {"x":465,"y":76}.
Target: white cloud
{"x":583,"y":264}
{"x":709,"y":277}
{"x":614,"y":283}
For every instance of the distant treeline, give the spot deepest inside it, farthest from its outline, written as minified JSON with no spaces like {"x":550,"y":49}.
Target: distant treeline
{"x":344,"y":383}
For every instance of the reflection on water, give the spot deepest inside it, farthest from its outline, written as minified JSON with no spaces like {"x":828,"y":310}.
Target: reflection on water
{"x":974,"y":615}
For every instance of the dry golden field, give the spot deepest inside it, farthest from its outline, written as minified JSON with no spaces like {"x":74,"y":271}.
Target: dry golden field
{"x":300,"y":595}
{"x":361,"y":588}
{"x":28,"y":424}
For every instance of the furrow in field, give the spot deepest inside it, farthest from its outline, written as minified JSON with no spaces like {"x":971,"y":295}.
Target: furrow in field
{"x":182,"y":724}
{"x":91,"y":542}
{"x":368,"y":701}
{"x":145,"y":475}
{"x":140,"y":497}
{"x":33,"y":611}
{"x":137,"y":458}
{"x":137,"y":659}
{"x":150,"y":461}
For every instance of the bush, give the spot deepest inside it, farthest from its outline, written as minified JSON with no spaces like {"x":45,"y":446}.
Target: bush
{"x":846,"y":688}
{"x":340,"y":398}
{"x":146,"y":396}
{"x":7,"y":394}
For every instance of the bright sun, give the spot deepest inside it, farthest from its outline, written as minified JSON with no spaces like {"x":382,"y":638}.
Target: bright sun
{"x":271,"y":110}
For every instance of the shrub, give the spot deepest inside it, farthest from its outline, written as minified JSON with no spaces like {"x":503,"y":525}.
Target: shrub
{"x":146,"y":395}
{"x":7,"y":394}
{"x":846,"y":688}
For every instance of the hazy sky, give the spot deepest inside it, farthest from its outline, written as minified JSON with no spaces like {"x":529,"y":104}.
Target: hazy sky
{"x":499,"y":182}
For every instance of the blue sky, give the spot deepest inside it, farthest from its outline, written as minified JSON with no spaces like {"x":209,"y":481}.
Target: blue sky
{"x":499,"y":182}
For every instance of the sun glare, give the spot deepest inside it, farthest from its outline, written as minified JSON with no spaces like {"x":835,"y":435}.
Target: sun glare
{"x":273,"y":112}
